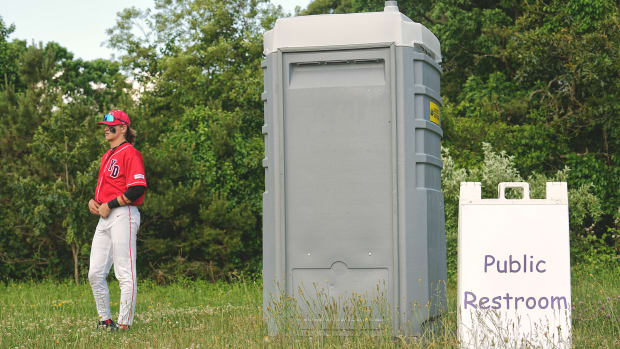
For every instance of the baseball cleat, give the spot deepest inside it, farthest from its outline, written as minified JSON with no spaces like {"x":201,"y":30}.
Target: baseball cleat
{"x":108,"y":325}
{"x":122,"y":327}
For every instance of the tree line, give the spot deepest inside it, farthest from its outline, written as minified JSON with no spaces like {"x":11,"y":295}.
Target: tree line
{"x":531,"y":88}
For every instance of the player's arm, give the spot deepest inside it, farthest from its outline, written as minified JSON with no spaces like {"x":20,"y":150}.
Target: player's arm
{"x":132,"y":194}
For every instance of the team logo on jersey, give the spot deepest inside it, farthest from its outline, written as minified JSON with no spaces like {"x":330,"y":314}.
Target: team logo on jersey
{"x":113,"y":168}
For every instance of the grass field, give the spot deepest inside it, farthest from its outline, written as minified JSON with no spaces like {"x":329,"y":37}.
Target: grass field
{"x":197,"y":314}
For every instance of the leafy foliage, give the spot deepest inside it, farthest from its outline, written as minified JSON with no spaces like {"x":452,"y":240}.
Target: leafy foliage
{"x":50,"y":157}
{"x":201,"y":122}
{"x":530,"y":90}
{"x":584,"y":207}
{"x":536,"y":79}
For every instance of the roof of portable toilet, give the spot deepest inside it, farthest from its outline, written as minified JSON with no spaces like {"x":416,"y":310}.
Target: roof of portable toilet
{"x":387,"y":27}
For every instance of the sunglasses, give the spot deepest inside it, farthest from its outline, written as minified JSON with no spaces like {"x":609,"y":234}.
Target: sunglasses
{"x":111,"y":118}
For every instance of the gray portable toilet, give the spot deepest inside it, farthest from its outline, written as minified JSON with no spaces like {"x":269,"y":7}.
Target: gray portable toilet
{"x":352,"y":201}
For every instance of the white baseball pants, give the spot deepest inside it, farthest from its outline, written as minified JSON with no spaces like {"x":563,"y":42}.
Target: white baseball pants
{"x":115,"y":243}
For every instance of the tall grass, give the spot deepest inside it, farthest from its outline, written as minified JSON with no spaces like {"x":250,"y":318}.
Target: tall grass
{"x":199,"y":314}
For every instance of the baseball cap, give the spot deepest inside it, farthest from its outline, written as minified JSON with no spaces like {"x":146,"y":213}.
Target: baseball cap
{"x":115,"y":117}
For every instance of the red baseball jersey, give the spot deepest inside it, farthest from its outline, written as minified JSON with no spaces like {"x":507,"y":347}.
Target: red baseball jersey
{"x":121,"y":167}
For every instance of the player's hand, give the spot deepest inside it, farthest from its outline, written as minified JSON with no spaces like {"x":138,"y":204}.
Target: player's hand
{"x":93,"y":206}
{"x":104,"y":210}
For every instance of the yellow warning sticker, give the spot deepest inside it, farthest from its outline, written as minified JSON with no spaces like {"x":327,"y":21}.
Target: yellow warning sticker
{"x":435,"y":117}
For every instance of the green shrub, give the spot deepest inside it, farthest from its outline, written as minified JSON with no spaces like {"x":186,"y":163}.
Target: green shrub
{"x":585,"y":208}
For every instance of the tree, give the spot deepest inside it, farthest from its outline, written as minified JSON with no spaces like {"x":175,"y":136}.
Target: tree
{"x":201,"y":63}
{"x":63,"y":165}
{"x":50,"y":156}
{"x":7,"y":59}
{"x":539,"y":79}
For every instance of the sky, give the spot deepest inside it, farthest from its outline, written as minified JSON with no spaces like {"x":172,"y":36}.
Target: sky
{"x":78,"y":25}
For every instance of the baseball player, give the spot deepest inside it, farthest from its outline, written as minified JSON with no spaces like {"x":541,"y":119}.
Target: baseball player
{"x":120,"y":190}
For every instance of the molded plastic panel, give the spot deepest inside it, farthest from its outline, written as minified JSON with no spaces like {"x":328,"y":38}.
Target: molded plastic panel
{"x":352,"y":199}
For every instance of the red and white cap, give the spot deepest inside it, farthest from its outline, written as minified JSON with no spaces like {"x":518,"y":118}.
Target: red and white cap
{"x":115,"y":117}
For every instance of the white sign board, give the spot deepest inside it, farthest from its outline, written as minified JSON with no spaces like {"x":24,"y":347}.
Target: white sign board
{"x":514,"y":269}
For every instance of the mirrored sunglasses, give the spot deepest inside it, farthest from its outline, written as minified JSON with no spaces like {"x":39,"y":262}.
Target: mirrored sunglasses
{"x":111,"y":118}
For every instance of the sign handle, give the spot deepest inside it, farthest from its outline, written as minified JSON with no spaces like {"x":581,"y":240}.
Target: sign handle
{"x":523,"y":185}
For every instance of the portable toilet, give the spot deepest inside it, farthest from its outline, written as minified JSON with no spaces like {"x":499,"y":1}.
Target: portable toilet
{"x":352,"y":204}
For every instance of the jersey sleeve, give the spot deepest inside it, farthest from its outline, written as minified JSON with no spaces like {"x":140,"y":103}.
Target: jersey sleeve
{"x":135,"y":170}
